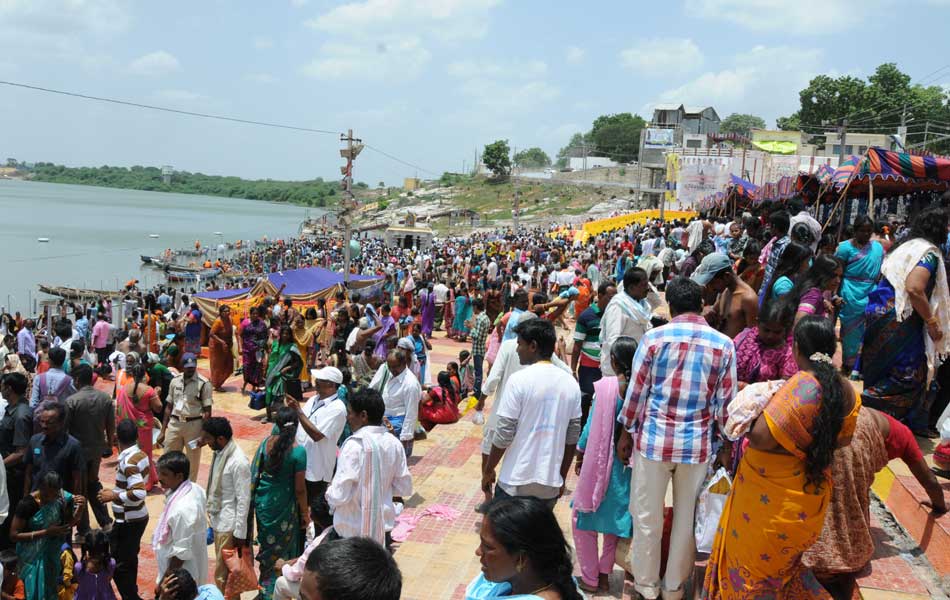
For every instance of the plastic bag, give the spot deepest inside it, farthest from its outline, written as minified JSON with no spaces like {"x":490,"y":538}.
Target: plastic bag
{"x":478,"y":418}
{"x":709,"y":509}
{"x":471,"y":403}
{"x":241,"y":576}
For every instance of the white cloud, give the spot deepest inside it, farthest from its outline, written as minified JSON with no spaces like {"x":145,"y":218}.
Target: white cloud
{"x":263,"y":42}
{"x":506,"y":97}
{"x":155,"y":63}
{"x":662,"y":56}
{"x":390,"y":59}
{"x":469,"y":69}
{"x":575,"y":55}
{"x":33,"y":30}
{"x":799,"y":16}
{"x":182,"y":97}
{"x":261,"y":78}
{"x":763,"y":81}
{"x":449,"y":20}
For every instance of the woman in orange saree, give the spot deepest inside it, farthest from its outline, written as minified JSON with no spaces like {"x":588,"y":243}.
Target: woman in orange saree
{"x":782,"y":489}
{"x":219,"y":348}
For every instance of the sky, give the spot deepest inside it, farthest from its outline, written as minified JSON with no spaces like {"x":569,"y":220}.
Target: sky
{"x":426,"y":81}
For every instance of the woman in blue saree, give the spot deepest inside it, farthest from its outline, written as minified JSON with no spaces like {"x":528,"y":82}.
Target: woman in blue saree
{"x":862,"y":266}
{"x":904,"y":343}
{"x":463,"y":312}
{"x":42,"y":524}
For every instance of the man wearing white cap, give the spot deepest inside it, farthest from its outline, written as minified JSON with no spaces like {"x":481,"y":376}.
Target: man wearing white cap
{"x":322,"y":419}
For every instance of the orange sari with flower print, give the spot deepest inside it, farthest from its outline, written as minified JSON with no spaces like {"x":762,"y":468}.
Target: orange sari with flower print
{"x":770,"y":519}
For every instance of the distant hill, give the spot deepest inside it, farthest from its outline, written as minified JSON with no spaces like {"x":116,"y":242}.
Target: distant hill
{"x":315,"y":192}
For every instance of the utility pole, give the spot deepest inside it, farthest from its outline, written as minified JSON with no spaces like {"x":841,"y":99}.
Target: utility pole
{"x":926,"y":133}
{"x":517,"y":206}
{"x":349,"y":201}
{"x":842,"y":138}
{"x":902,"y":130}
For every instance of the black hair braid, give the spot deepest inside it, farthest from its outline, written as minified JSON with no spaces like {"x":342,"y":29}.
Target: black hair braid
{"x":287,"y":431}
{"x":562,"y":579}
{"x":817,"y":335}
{"x":826,"y":427}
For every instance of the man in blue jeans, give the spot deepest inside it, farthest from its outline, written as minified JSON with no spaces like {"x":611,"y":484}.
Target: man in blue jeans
{"x":481,"y":327}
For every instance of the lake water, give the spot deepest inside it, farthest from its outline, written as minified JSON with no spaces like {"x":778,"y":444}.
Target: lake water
{"x":96,"y":235}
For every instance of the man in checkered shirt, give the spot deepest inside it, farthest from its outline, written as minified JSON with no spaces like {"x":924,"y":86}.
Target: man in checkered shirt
{"x":683,"y":377}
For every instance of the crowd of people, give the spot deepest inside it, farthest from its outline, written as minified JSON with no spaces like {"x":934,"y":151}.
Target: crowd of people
{"x":645,"y":358}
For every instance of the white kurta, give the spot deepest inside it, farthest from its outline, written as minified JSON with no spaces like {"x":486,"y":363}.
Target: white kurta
{"x":188,"y":539}
{"x":401,"y":396}
{"x":345,"y":492}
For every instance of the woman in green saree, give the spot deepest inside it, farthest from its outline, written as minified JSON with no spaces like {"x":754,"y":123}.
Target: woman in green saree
{"x":283,"y":371}
{"x":42,"y":523}
{"x":279,"y":498}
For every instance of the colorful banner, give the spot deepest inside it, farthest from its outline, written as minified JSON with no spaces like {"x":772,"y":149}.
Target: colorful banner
{"x":699,"y":177}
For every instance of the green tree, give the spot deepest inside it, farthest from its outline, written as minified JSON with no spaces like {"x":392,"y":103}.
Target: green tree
{"x":618,"y":136}
{"x":497,"y":158}
{"x":878,"y":104}
{"x":532,"y":157}
{"x":574,"y":148}
{"x":742,"y":124}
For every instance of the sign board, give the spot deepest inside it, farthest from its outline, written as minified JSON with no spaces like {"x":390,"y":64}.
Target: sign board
{"x":659,"y":138}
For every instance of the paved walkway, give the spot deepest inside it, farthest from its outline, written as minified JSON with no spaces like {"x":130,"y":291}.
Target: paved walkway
{"x":438,"y":560}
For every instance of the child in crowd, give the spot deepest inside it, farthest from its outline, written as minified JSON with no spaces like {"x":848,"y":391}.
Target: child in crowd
{"x":453,"y":370}
{"x":466,"y":373}
{"x":94,"y":571}
{"x":67,"y":581}
{"x":42,"y":357}
{"x":12,"y":588}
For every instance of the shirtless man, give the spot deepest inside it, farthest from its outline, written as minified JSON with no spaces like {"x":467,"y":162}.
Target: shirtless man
{"x":737,"y":305}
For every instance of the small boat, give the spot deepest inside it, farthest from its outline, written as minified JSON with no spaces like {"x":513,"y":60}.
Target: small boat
{"x":150,"y":259}
{"x":203,"y":275}
{"x":77,"y":294}
{"x":154,"y":236}
{"x":42,"y":240}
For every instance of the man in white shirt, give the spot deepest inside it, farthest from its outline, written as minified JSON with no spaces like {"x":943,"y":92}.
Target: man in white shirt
{"x":441,"y":292}
{"x":180,"y":538}
{"x":322,"y":419}
{"x":229,"y":492}
{"x":370,"y":471}
{"x":401,"y":394}
{"x":628,"y":314}
{"x":539,"y":422}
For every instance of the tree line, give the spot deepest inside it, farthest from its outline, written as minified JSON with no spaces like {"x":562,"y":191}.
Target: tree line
{"x":314,"y":192}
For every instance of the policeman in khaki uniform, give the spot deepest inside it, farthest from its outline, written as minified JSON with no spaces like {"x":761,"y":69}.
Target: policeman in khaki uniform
{"x":189,"y":403}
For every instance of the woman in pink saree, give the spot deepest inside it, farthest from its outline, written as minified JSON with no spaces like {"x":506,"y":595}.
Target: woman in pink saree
{"x":138,"y":401}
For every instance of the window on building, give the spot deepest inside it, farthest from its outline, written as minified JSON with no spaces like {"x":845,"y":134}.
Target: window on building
{"x":836,"y":149}
{"x":862,"y":150}
{"x":694,"y":143}
{"x":849,"y":149}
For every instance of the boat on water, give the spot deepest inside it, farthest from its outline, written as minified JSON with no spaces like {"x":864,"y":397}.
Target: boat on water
{"x":202,"y":275}
{"x":78,"y":294}
{"x":42,"y":240}
{"x":150,"y":259}
{"x":154,"y":236}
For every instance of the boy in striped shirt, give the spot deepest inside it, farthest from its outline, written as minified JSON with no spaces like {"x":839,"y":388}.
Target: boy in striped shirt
{"x":128,"y":509}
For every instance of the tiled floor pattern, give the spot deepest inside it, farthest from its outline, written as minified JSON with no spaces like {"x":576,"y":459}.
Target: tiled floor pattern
{"x":438,"y":559}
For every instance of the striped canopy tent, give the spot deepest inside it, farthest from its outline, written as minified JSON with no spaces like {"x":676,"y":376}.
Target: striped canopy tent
{"x":303,"y":286}
{"x":891,"y":174}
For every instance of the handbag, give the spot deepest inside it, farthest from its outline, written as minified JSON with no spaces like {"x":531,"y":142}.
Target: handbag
{"x":709,"y":509}
{"x":257,"y":400}
{"x":241,"y":576}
